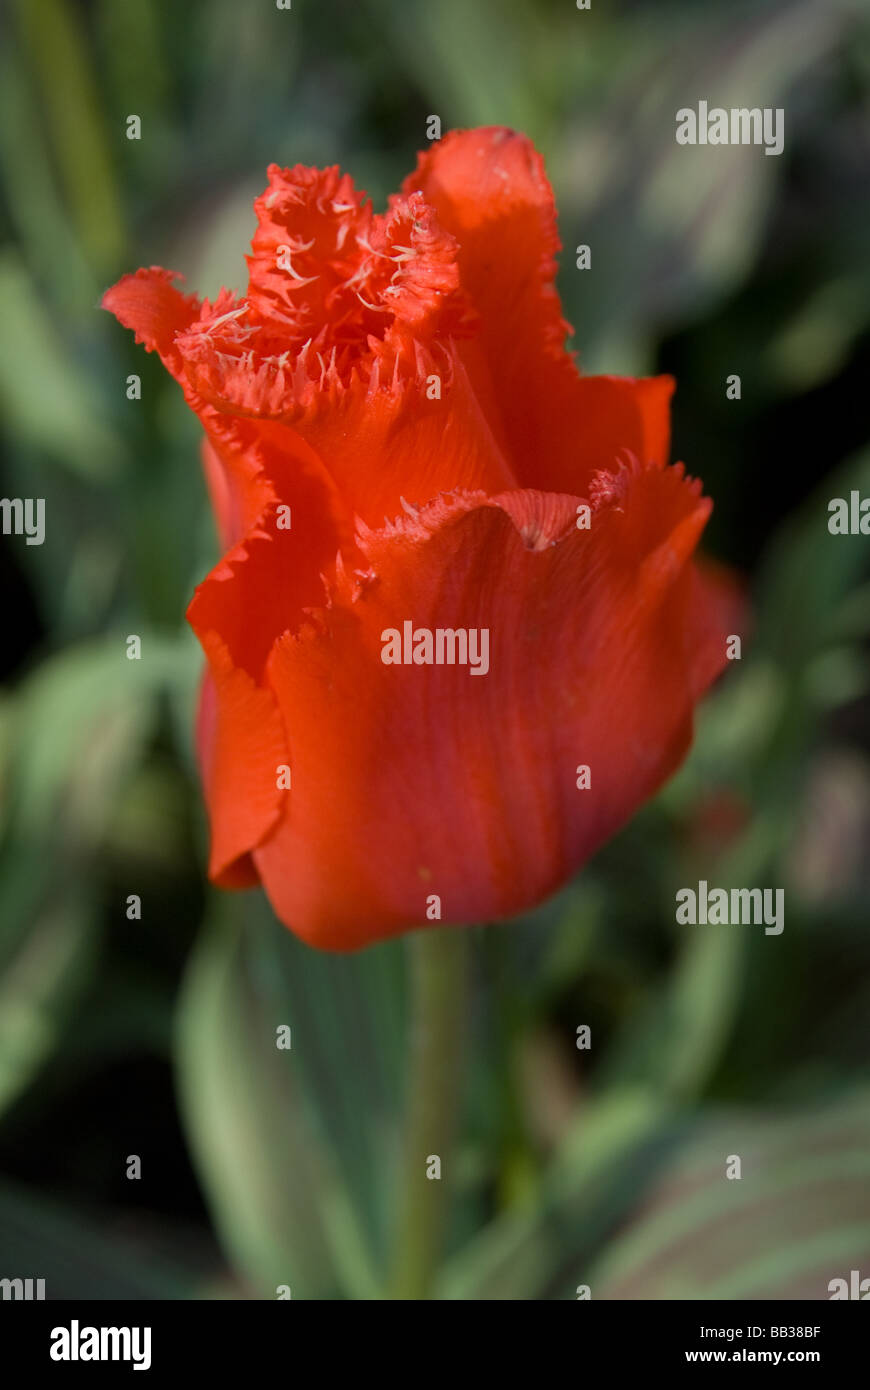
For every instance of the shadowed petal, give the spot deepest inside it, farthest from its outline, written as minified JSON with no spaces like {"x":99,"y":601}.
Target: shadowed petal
{"x":241,"y":745}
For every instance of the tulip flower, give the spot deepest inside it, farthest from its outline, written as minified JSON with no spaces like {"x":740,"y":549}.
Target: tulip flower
{"x":398,"y":445}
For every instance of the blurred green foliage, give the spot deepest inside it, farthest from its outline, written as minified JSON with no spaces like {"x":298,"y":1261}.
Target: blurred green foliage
{"x":602,"y":1167}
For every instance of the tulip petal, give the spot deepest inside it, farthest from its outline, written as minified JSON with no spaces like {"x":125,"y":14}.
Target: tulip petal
{"x":241,"y":746}
{"x":236,"y":504}
{"x":159,"y":314}
{"x":489,"y":189}
{"x":718,"y":606}
{"x":413,"y":780}
{"x":379,"y":442}
{"x":156,"y":311}
{"x":348,"y":340}
{"x":398,"y":445}
{"x":259,"y":590}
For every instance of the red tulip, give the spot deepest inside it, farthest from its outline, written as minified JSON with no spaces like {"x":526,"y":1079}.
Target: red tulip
{"x":395,"y":434}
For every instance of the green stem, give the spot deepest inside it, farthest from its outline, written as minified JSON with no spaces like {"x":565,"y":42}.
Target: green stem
{"x":438,"y":993}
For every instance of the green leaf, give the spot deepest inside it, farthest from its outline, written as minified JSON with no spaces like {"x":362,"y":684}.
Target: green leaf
{"x":674,"y":1044}
{"x":675,"y":1041}
{"x":41,"y":1240}
{"x":441,"y":46}
{"x":675,"y":227}
{"x":798,"y":1217}
{"x":348,"y":1016}
{"x":280,"y":1209}
{"x":46,"y":961}
{"x":592,"y":1182}
{"x":31,"y":196}
{"x":83,"y":717}
{"x":74,"y":731}
{"x":55,"y":40}
{"x":810,"y":575}
{"x":637,"y":1205}
{"x":50,"y":401}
